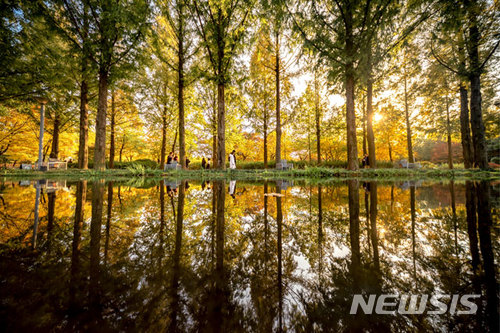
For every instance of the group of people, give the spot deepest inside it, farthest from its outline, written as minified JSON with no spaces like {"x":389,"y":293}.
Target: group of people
{"x":174,"y":159}
{"x":205,"y":164}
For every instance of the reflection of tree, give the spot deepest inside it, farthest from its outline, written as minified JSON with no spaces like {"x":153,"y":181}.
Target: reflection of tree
{"x":51,"y":203}
{"x":75,"y":275}
{"x":109,"y":212}
{"x":95,"y":246}
{"x":373,"y":226}
{"x":174,"y":289}
{"x":279,"y":221}
{"x":240,"y":268}
{"x":217,"y":307}
{"x":413,"y":235}
{"x":484,"y":230}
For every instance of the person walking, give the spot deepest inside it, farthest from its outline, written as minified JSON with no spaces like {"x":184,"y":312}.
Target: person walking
{"x":203,"y":163}
{"x":170,"y":157}
{"x":232,"y":160}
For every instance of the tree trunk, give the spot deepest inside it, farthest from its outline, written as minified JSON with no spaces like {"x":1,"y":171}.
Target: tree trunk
{"x":448,"y":134}
{"x":221,"y":127}
{"x":278,"y":100}
{"x":54,"y":152}
{"x":265,"y":137}
{"x":352,"y":149}
{"x":369,"y":113}
{"x":175,"y":140}
{"x":317,"y":116}
{"x":476,"y":115}
{"x":467,"y":148}
{"x":214,"y":133}
{"x":112,"y":132}
{"x":163,"y":150}
{"x":407,"y":118}
{"x":390,"y":152}
{"x":466,"y":140}
{"x":352,"y":144}
{"x":83,"y":150}
{"x":121,"y":150}
{"x":180,"y":97}
{"x":100,"y":137}
{"x":364,"y":128}
{"x":309,"y":146}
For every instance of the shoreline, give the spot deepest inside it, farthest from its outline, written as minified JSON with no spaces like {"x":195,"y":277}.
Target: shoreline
{"x":319,"y":174}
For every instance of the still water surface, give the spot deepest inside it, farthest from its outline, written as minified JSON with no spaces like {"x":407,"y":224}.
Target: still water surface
{"x":243,"y":257}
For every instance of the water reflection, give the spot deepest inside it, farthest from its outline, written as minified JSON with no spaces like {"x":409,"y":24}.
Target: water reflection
{"x":179,"y":256}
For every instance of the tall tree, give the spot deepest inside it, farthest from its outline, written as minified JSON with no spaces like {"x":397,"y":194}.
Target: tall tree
{"x":260,"y":89}
{"x":72,"y":21}
{"x":108,"y":33}
{"x":176,"y":38}
{"x":120,"y":26}
{"x":221,"y":25}
{"x":467,"y":39}
{"x":338,"y":31}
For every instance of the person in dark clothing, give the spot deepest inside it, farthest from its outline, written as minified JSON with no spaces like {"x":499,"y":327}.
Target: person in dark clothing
{"x":176,"y":158}
{"x":203,"y":163}
{"x":208,"y":163}
{"x":187,"y":162}
{"x":365,"y":161}
{"x":169,"y":158}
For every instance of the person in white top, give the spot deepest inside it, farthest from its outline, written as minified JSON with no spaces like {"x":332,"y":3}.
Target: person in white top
{"x":232,"y":160}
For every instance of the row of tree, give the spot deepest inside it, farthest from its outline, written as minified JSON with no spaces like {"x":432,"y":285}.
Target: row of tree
{"x":235,"y":67}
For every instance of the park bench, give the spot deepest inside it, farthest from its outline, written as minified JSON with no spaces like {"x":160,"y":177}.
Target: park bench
{"x":51,"y":164}
{"x":283,"y":185}
{"x":409,"y":183}
{"x":172,"y":166}
{"x":284,"y":165}
{"x":405,"y":164}
{"x":54,"y":163}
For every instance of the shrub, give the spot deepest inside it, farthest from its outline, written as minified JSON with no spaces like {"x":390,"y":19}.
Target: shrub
{"x":137,"y":169}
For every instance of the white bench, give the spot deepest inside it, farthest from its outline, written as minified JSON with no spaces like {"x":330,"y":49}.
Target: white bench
{"x":172,"y":166}
{"x":56,"y":164}
{"x":284,"y":165}
{"x":283,"y":185}
{"x":405,"y":164}
{"x":53,"y":164}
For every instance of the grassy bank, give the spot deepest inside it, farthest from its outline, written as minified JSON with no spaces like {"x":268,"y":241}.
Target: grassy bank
{"x":320,"y":173}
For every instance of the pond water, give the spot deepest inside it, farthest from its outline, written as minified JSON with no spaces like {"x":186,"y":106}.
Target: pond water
{"x":246,"y":257}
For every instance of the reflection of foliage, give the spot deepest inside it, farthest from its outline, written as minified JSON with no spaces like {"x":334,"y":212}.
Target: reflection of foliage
{"x":155,"y":273}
